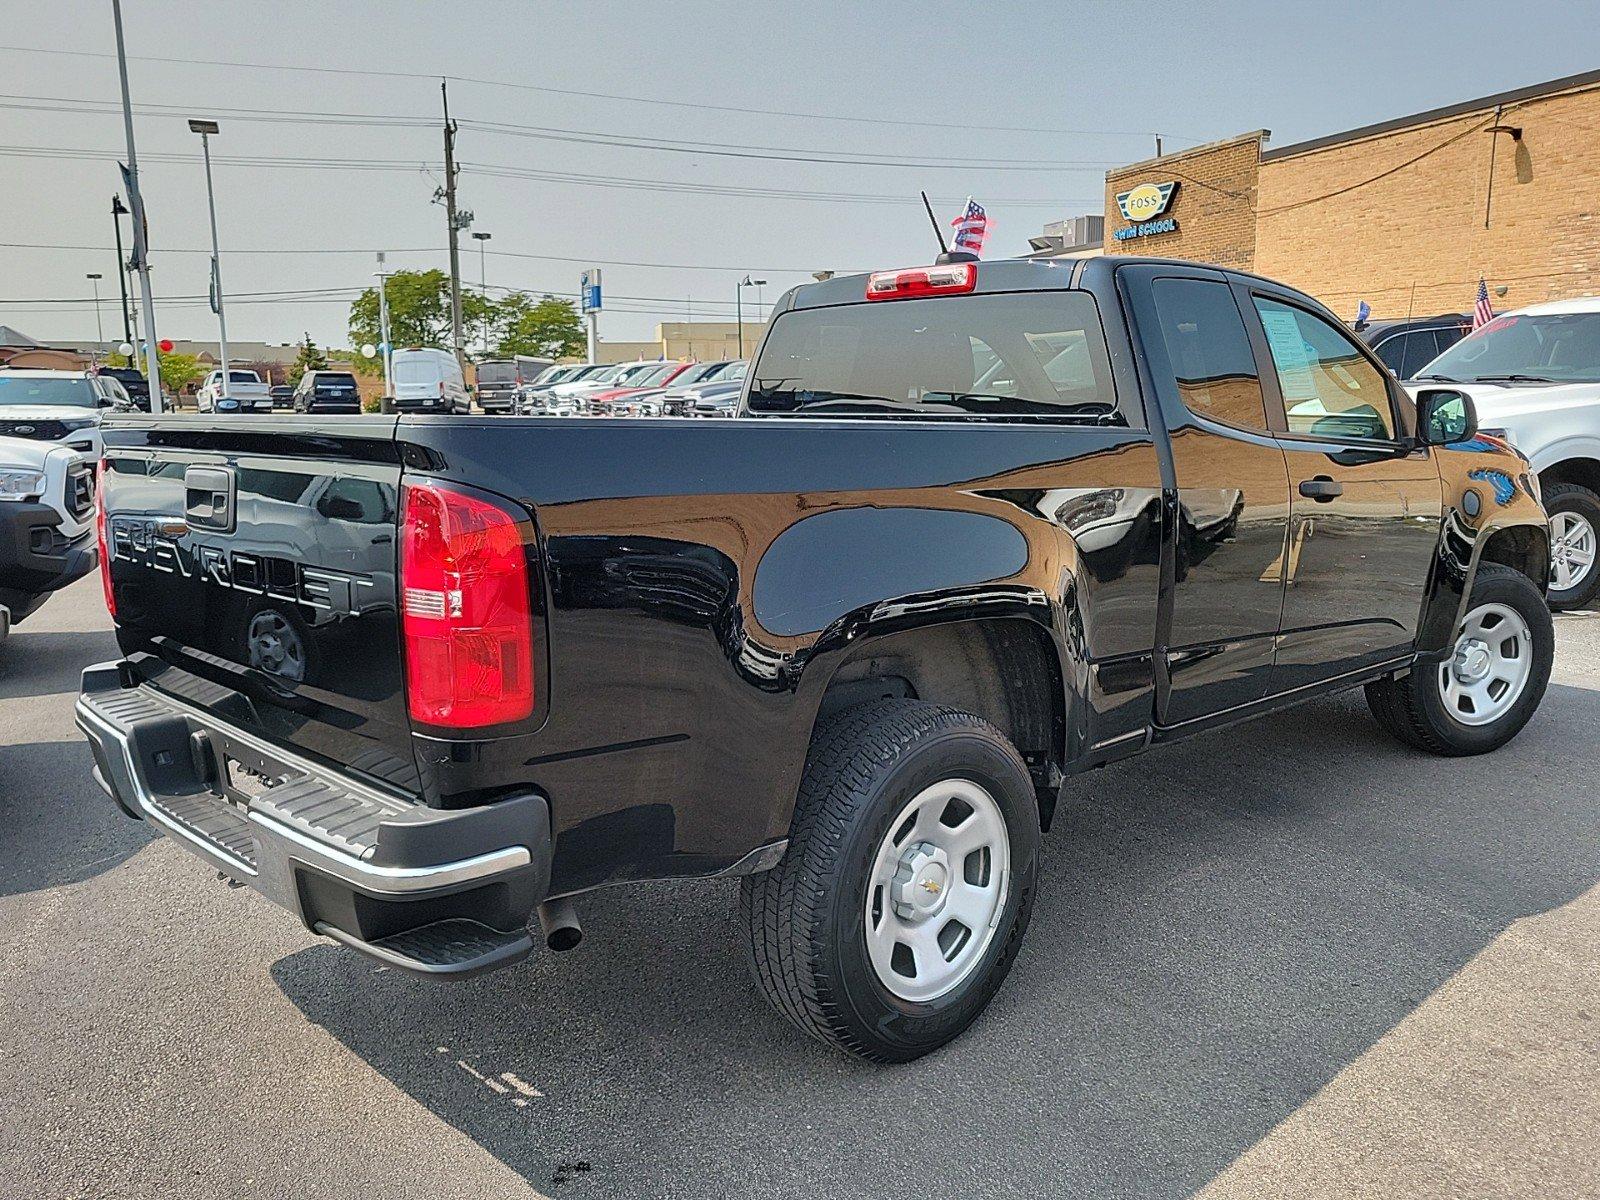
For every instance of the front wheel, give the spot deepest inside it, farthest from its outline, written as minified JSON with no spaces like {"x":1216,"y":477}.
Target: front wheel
{"x":1574,"y":539}
{"x":898,"y":909}
{"x":1479,"y":697}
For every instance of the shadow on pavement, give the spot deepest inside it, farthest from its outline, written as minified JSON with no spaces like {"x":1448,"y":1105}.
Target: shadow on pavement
{"x":1222,"y":926}
{"x":51,"y":805}
{"x":47,"y":662}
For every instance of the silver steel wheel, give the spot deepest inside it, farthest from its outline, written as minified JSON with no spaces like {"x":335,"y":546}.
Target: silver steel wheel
{"x":1493,"y":658}
{"x":937,"y":889}
{"x":1572,"y":550}
{"x":275,"y":646}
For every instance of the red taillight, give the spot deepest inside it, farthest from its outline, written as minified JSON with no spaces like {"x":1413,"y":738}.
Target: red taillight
{"x":100,"y":537}
{"x":922,"y":281}
{"x":465,"y":609}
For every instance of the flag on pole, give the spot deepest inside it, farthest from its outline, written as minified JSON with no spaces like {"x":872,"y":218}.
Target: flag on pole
{"x":1483,"y":311}
{"x":971,"y":227}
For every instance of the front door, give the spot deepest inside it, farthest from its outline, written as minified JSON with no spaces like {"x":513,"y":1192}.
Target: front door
{"x":1365,"y":501}
{"x":1232,"y":516}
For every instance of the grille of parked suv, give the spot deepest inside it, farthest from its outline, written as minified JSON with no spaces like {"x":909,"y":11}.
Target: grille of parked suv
{"x":80,"y":492}
{"x":47,"y":431}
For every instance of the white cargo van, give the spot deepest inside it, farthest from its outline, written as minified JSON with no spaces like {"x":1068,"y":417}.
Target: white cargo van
{"x":429,"y":380}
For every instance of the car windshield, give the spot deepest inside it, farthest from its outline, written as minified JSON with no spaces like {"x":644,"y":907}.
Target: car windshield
{"x":648,"y":378}
{"x":555,"y":374}
{"x":23,"y":389}
{"x":1516,"y":348}
{"x":633,"y":373}
{"x":342,"y":382}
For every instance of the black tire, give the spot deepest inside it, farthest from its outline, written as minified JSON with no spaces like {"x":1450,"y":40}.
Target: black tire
{"x":1412,"y":708}
{"x":1574,"y":498}
{"x":807,"y":939}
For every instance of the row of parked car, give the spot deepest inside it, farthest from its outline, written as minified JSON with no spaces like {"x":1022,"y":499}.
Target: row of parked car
{"x":636,"y":389}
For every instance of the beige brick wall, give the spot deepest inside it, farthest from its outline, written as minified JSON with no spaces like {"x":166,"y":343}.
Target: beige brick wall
{"x":1422,"y":223}
{"x":1214,"y":204}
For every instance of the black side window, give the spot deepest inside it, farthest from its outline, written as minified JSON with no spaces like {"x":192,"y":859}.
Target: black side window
{"x":1209,"y":351}
{"x":1391,"y":352}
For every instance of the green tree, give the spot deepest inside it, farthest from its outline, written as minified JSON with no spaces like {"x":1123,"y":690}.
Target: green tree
{"x":310,"y":358}
{"x":546,"y":328}
{"x":419,"y":310}
{"x":178,"y":371}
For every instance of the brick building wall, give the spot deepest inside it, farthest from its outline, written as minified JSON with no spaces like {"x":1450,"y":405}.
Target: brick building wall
{"x":1394,"y":215}
{"x":1214,"y":204}
{"x":1415,"y":213}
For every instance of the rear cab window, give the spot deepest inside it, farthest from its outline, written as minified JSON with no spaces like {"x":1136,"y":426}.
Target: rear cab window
{"x":1012,"y":356}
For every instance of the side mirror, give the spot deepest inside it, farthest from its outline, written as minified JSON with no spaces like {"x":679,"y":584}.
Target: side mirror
{"x":1445,"y":417}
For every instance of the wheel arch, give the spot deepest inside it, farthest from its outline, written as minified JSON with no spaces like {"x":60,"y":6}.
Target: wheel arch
{"x":1004,"y":669}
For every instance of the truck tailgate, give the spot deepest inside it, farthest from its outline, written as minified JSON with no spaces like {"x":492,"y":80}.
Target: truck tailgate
{"x":253,"y":564}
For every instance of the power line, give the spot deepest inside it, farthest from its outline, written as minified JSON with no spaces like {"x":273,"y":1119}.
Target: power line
{"x":529,"y":87}
{"x":506,"y":171}
{"x":583,"y":137}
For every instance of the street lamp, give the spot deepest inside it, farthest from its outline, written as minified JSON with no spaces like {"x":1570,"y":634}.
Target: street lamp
{"x":483,"y":283}
{"x":385,"y":342}
{"x":118,"y":211}
{"x":738,"y":306}
{"x":94,"y":277}
{"x":205,"y":129}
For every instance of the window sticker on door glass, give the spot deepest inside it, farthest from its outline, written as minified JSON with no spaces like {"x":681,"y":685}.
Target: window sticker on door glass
{"x":1290,"y":354}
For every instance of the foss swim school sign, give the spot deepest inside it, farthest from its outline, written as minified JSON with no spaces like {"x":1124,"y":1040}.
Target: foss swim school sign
{"x":1144,"y":206}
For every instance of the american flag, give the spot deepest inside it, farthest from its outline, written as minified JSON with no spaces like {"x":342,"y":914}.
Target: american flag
{"x":1483,"y":312}
{"x":971,"y":228}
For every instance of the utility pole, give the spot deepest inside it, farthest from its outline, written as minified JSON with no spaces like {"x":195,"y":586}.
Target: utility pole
{"x":118,"y":210}
{"x":141,"y":250}
{"x":205,"y":129}
{"x":455,"y":224}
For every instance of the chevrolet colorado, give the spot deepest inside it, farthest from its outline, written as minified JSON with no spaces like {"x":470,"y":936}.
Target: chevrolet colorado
{"x":979,"y":528}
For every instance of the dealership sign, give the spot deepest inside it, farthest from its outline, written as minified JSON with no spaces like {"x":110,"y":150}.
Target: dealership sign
{"x":1145,"y":205}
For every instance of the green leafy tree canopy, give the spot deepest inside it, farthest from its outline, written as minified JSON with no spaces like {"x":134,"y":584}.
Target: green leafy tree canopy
{"x":178,"y":371}
{"x":419,"y":315}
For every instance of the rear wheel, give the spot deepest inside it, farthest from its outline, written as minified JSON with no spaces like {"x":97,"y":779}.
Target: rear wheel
{"x":1480,"y":696}
{"x":1574,"y":539}
{"x":898,"y":909}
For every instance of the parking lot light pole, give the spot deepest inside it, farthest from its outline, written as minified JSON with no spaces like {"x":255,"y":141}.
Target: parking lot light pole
{"x":94,"y":277}
{"x":738,"y":306}
{"x":483,"y":283}
{"x":205,"y":129}
{"x":141,"y":247}
{"x":385,"y":343}
{"x":118,"y":211}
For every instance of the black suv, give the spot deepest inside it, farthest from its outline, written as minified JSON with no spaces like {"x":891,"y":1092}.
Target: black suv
{"x":1407,"y":346}
{"x":327,"y":392}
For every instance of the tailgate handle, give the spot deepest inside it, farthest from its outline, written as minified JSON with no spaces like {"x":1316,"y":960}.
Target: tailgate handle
{"x":208,"y":498}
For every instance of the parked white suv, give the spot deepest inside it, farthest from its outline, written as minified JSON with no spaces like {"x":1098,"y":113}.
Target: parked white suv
{"x":63,"y":407}
{"x":1534,"y":375}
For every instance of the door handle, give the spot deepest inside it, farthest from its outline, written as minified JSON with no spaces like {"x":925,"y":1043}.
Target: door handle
{"x":1321,"y":489}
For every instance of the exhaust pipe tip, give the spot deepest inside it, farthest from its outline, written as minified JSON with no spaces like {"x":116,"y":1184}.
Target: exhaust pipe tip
{"x":559,"y":921}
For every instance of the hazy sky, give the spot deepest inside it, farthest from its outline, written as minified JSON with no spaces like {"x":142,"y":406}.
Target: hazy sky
{"x":1078,"y":86}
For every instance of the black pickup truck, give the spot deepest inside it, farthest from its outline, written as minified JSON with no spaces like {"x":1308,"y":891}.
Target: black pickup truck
{"x":978,"y":528}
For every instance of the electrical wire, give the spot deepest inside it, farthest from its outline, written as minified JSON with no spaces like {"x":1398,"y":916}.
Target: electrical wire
{"x":553,"y":91}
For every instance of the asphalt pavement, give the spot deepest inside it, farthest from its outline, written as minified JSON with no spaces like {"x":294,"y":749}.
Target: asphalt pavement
{"x":1291,"y":959}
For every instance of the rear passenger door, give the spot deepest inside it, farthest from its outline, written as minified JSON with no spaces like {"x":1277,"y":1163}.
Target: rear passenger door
{"x":1227,"y":546}
{"x":1365,"y":499}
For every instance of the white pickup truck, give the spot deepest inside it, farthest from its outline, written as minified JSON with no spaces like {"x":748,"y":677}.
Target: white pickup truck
{"x":47,"y":536}
{"x":1534,"y":375}
{"x":243,"y":392}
